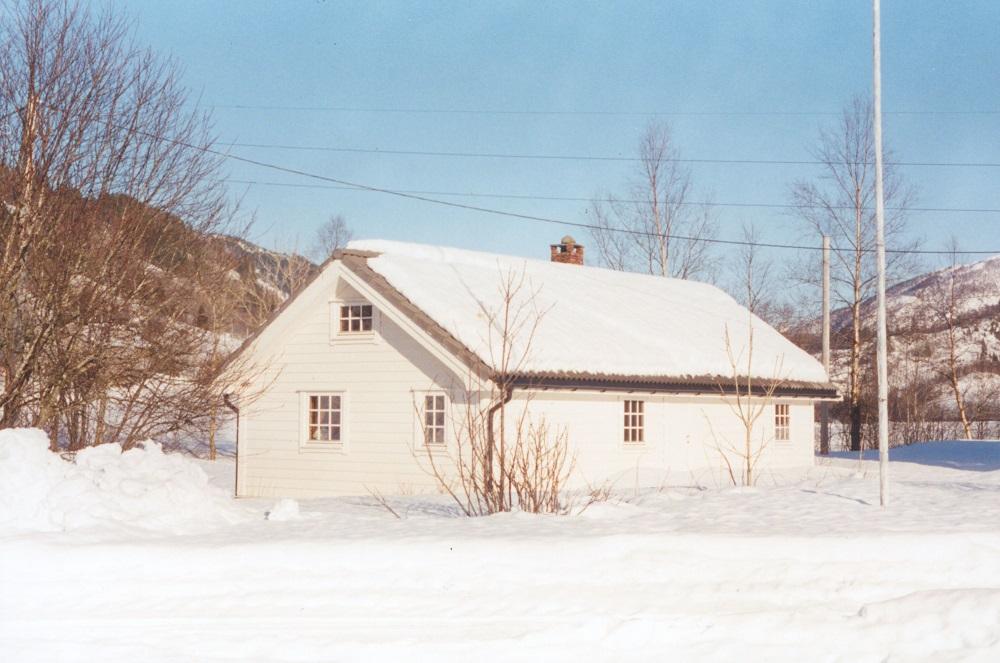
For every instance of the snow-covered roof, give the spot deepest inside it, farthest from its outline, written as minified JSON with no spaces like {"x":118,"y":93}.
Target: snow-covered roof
{"x":594,"y":322}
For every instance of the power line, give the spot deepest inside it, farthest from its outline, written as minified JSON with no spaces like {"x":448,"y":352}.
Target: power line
{"x":515,"y":215}
{"x":579,"y":157}
{"x":598,"y":113}
{"x":514,"y":196}
{"x":540,"y":219}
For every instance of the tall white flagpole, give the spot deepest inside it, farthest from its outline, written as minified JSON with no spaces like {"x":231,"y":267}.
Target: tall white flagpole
{"x":883,"y":371}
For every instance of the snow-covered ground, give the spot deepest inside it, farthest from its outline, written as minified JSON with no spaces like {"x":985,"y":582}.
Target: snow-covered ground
{"x":973,"y":455}
{"x":796,"y":569}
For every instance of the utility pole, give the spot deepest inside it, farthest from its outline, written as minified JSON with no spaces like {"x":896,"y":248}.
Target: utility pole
{"x":883,"y":370}
{"x":824,"y":407}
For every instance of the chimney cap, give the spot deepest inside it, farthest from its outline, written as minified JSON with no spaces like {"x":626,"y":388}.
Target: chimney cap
{"x":567,"y":251}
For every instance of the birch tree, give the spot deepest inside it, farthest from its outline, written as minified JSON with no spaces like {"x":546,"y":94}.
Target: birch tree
{"x":945,"y":299}
{"x":333,"y":235}
{"x":752,"y":274}
{"x":656,"y":227}
{"x":840,"y":202}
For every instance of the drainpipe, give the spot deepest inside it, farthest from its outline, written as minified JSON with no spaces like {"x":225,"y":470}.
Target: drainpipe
{"x":236,"y":410}
{"x":506,"y":394}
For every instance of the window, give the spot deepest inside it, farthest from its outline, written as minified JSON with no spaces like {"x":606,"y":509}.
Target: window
{"x":782,"y":422}
{"x":324,"y":414}
{"x":433,"y":419}
{"x":355,"y":318}
{"x":635,"y":423}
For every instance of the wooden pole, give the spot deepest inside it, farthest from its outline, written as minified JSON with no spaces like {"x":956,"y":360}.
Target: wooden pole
{"x":824,"y":407}
{"x":883,"y":371}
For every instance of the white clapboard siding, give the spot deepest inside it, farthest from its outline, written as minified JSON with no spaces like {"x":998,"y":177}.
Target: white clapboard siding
{"x":679,"y":440}
{"x":378,"y":378}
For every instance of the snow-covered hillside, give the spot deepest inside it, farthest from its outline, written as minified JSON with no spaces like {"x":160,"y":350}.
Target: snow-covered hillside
{"x":915,"y":307}
{"x":919,"y":308}
{"x":266,"y":277}
{"x":919,"y":344}
{"x":977,"y":287}
{"x":805,"y":567}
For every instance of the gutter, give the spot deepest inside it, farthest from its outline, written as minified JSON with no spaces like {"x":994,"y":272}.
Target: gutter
{"x":810,"y":391}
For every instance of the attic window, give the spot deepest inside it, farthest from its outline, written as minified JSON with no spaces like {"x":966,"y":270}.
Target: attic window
{"x":635,"y":422}
{"x":782,"y":422}
{"x":355,"y":318}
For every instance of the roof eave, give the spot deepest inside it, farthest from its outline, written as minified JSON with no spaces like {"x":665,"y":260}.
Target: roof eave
{"x":357,"y":263}
{"x":668,"y":385}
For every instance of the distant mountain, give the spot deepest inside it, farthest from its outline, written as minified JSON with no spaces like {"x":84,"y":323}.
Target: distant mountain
{"x":911,"y":304}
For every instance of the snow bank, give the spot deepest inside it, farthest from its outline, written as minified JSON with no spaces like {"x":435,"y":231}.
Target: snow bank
{"x":103,"y":487}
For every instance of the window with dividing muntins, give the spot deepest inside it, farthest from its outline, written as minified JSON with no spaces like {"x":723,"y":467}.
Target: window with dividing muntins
{"x":325,"y":417}
{"x":356,"y":318}
{"x":434,"y":407}
{"x":635,"y":423}
{"x":782,"y":422}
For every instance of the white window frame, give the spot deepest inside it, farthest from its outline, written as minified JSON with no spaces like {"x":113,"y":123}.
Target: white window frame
{"x":633,"y":424}
{"x":441,"y":398}
{"x":306,"y":444}
{"x":782,"y":422}
{"x":420,"y":432}
{"x":362,"y":336}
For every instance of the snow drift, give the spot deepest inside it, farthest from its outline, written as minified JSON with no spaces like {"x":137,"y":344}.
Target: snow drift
{"x":141,"y":488}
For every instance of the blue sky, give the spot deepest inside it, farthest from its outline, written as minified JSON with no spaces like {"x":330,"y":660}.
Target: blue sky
{"x":694,"y":57}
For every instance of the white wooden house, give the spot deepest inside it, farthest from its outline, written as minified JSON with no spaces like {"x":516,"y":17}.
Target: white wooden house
{"x":381,"y":353}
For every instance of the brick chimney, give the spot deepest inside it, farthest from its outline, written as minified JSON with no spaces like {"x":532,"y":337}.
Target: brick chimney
{"x":567,"y":251}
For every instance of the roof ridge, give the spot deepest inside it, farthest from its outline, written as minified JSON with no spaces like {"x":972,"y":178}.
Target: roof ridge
{"x":348,"y":251}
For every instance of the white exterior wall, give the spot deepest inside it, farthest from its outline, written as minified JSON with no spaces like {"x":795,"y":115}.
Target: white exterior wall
{"x":680,"y":444}
{"x":380,"y":379}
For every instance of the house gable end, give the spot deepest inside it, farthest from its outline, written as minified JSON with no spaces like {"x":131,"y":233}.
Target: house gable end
{"x":266,"y":347}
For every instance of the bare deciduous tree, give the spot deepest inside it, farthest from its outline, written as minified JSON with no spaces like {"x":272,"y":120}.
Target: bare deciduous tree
{"x":752,"y":275}
{"x":945,"y":299}
{"x":747,"y":399}
{"x":330,"y":237}
{"x":656,"y":228}
{"x":109,"y":191}
{"x":503,"y":459}
{"x":840,"y":203}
